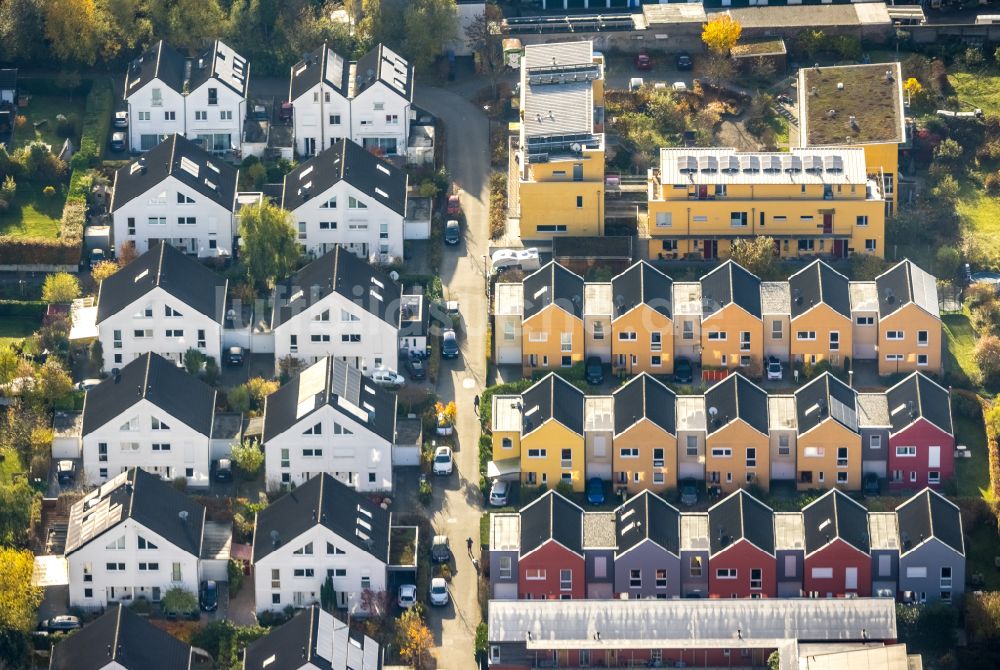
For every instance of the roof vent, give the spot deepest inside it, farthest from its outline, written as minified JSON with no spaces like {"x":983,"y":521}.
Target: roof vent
{"x":797,"y":296}
{"x":853,"y":120}
{"x":831,"y":113}
{"x":275,"y":539}
{"x":840,"y":86}
{"x":911,"y":408}
{"x":888,"y":75}
{"x":183,"y":515}
{"x":890,"y":297}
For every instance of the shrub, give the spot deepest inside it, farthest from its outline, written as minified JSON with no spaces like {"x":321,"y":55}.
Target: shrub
{"x":939,"y":79}
{"x":992,"y":184}
{"x":249,"y":458}
{"x":66,"y":126}
{"x":9,"y":188}
{"x":235,"y":573}
{"x":425,"y":493}
{"x":987,"y":357}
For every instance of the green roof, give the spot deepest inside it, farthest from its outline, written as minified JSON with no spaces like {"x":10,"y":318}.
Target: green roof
{"x":830,"y":96}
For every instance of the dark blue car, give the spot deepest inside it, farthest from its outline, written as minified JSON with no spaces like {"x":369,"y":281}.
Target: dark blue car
{"x":595,"y":491}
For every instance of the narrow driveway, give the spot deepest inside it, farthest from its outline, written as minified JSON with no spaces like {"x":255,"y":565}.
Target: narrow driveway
{"x":458,"y":503}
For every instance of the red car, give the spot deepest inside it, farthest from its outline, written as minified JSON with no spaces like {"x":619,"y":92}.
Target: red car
{"x":643,"y":62}
{"x":454,"y":206}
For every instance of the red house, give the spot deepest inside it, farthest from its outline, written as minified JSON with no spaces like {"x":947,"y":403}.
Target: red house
{"x":741,"y":562}
{"x":551,"y":564}
{"x":838,"y":559}
{"x":921,"y":437}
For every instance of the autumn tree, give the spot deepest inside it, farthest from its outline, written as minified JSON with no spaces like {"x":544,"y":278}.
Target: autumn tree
{"x":61,"y":287}
{"x":721,"y":34}
{"x":126,"y":254}
{"x":8,"y":365}
{"x":71,"y":27}
{"x":52,"y":382}
{"x":19,"y":598}
{"x":186,"y":23}
{"x":987,"y":357}
{"x":430,"y":25}
{"x":102,"y":270}
{"x":483,"y":36}
{"x":756,"y":254}
{"x":378,"y":605}
{"x":269,"y":244}
{"x":414,"y":639}
{"x":249,"y":458}
{"x":21,"y":22}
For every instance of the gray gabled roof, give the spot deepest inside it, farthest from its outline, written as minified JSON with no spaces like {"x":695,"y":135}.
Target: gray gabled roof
{"x":155,"y":379}
{"x":928,"y":515}
{"x":161,"y":61}
{"x":221,"y":64}
{"x":552,"y":398}
{"x":919,"y":397}
{"x":737,"y":517}
{"x":385,"y":65}
{"x":736,"y":397}
{"x":313,"y":639}
{"x":905,"y":283}
{"x":553,"y":284}
{"x":834,"y":515}
{"x":322,"y":65}
{"x":826,"y":397}
{"x":551,"y":517}
{"x":647,"y":516}
{"x":644,"y":397}
{"x":642,"y":284}
{"x":730,"y":283}
{"x":166,"y":268}
{"x":819,"y":283}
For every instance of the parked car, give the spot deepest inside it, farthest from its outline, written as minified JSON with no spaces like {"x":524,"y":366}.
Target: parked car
{"x":440,"y":549}
{"x":643,"y":61}
{"x":595,"y":491}
{"x":407,"y":596}
{"x":679,"y":87}
{"x":594,"y":370}
{"x":234,"y":356}
{"x":451,"y":309}
{"x":773,"y":368}
{"x":87,"y":384}
{"x":209,"y":596}
{"x":689,"y":492}
{"x":449,"y":344}
{"x":117,"y":141}
{"x":97,"y":255}
{"x":121,"y":119}
{"x":683,"y":371}
{"x":387,"y":377}
{"x":443,"y":462}
{"x":439,"y":592}
{"x":684,"y":61}
{"x":870,"y":485}
{"x":63,"y":622}
{"x":415,"y":366}
{"x":224,"y":470}
{"x":454,"y":205}
{"x":66,"y":472}
{"x":452,"y":233}
{"x":499,"y":493}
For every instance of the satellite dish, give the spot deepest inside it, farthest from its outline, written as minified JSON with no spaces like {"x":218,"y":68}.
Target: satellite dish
{"x":576,"y":147}
{"x":712,"y":411}
{"x":394,"y":276}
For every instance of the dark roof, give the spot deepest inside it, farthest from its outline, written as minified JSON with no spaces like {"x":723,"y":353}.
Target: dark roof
{"x":553,"y":397}
{"x":341,"y":271}
{"x":737,"y":517}
{"x":331,"y":503}
{"x":730,"y":283}
{"x":819,"y":283}
{"x":552,"y":283}
{"x":645,"y":397}
{"x":315,"y":639}
{"x":642,"y":284}
{"x":647,"y":516}
{"x":834,"y":515}
{"x":167,"y":268}
{"x":928,"y":514}
{"x":222,"y":64}
{"x":736,"y":397}
{"x":551,"y":517}
{"x":915,"y":397}
{"x":145,"y":498}
{"x":182,"y":159}
{"x":905,"y":283}
{"x":8,"y":78}
{"x":334,"y":382}
{"x":155,"y":379}
{"x":121,"y":637}
{"x":378,"y":179}
{"x":823,"y":398}
{"x":161,"y":62}
{"x":605,"y":247}
{"x":385,"y":65}
{"x":415,"y":318}
{"x":323,"y":64}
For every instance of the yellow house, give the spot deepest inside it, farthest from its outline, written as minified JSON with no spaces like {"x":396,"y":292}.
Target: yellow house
{"x":642,"y":329}
{"x":737,"y":448}
{"x":506,"y":435}
{"x":909,"y":321}
{"x":552,"y":441}
{"x":821,"y":326}
{"x":645,"y":442}
{"x":813,"y":202}
{"x":732,"y":334}
{"x":856,"y":105}
{"x":552,"y":329}
{"x":829,"y":440}
{"x":557,"y":168}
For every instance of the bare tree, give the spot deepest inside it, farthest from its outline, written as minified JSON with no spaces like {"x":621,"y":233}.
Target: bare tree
{"x":485,"y":39}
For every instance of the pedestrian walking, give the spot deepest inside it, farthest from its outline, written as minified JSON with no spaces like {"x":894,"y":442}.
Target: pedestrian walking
{"x":475,"y":403}
{"x":468,"y":545}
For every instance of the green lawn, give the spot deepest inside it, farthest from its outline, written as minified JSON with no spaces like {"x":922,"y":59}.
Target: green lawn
{"x":977,"y":89}
{"x":16,"y":328}
{"x":44,"y":109}
{"x":971,"y":474}
{"x":960,"y":342}
{"x":982,"y":545}
{"x":10,"y":463}
{"x":33,"y":214}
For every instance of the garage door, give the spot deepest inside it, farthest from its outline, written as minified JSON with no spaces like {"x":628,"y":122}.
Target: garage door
{"x":505,"y":591}
{"x":213,"y":569}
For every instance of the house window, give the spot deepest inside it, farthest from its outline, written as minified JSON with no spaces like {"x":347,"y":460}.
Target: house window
{"x":293,"y":345}
{"x":841,"y":457}
{"x":783,"y":445}
{"x":157,"y":221}
{"x":751,"y":457}
{"x":226,"y":115}
{"x":201,"y":115}
{"x":505,"y":567}
{"x":175,"y":333}
{"x":661,"y":578}
{"x":565,"y":580}
{"x":536,"y":453}
{"x":115,"y":567}
{"x":303,"y":572}
{"x":776,"y":329}
{"x":664,"y":220}
{"x":627,"y":336}
{"x":834,"y":340}
{"x":869,"y":245}
{"x":551,"y":228}
{"x":805,"y":335}
{"x":584,"y":657}
{"x":692,"y":445}
{"x":354,"y":203}
{"x":756,"y":578}
{"x":725,"y":573}
{"x":842,"y":478}
{"x":946,"y":578}
{"x":722,"y":452}
{"x":875,"y":442}
{"x":933,"y":477}
{"x":687,"y":330}
{"x":169,"y":116}
{"x":893,"y":334}
{"x":635,"y":579}
{"x":716,"y":335}
{"x":630,"y":452}
{"x":694,"y":567}
{"x":906,"y":452}
{"x":744,"y":341}
{"x":567,"y":458}
{"x":161,"y":447}
{"x":922,"y":360}
{"x":656,"y":341}
{"x":302,"y":230}
{"x":658,"y":457}
{"x":861,"y":220}
{"x":579,"y":202}
{"x":144,"y":116}
{"x":213,"y":96}
{"x":507,"y":443}
{"x":822,"y":573}
{"x":738,"y":219}
{"x":175,"y":572}
{"x":186,"y":221}
{"x":865,"y":320}
{"x":535,"y":574}
{"x":351,"y":337}
{"x":566,"y":341}
{"x":495,"y":653}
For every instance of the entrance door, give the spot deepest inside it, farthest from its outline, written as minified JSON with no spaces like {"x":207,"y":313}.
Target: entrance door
{"x":702,"y":192}
{"x":840,"y":248}
{"x":827,"y":224}
{"x":711,"y":249}
{"x":851,"y":579}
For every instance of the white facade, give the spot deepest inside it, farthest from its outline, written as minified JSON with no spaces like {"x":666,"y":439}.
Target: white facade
{"x":155,"y":111}
{"x":380,"y":117}
{"x":214,"y":113}
{"x":320,"y":117}
{"x":285,"y":577}
{"x":159,"y":323}
{"x":335,"y":326}
{"x":112,"y":567}
{"x":329,"y":441}
{"x":145,"y":436}
{"x":177,"y":213}
{"x":345,"y":216}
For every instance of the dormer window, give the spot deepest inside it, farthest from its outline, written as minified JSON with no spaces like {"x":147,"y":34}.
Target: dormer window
{"x":213,"y":96}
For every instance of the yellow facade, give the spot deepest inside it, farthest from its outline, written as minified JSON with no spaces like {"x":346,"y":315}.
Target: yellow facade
{"x":506,"y":445}
{"x":826,"y":455}
{"x":812,"y":336}
{"x":919,"y":349}
{"x":642,"y":351}
{"x":553,"y":201}
{"x":883,"y":159}
{"x":647,"y":468}
{"x":734,"y":452}
{"x":723,"y":343}
{"x":542,"y":453}
{"x":543,"y":338}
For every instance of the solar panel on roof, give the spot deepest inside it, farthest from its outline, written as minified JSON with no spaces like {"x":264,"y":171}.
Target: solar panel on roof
{"x":813,"y":164}
{"x":708,"y":163}
{"x":771,"y":164}
{"x":687,"y":164}
{"x":844,"y":414}
{"x":730,"y":164}
{"x":834,"y":163}
{"x":751,"y":163}
{"x":792,"y":163}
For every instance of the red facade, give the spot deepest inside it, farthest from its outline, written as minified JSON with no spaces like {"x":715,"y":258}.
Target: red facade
{"x":914,"y":471}
{"x":827,"y":571}
{"x":750,"y":565}
{"x":540,"y":573}
{"x":735,"y":657}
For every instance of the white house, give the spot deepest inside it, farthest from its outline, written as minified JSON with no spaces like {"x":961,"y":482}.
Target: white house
{"x":347,"y":196}
{"x":134,"y":537}
{"x":179,"y":193}
{"x":203,"y":98}
{"x":151,"y":414}
{"x":346,"y":428}
{"x":367,"y":101}
{"x":322,"y":528}
{"x":339,"y":306}
{"x":162,"y":302}
{"x":313,"y":639}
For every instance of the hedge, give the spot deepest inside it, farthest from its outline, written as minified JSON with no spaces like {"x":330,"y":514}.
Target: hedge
{"x":51,"y":86}
{"x":37,"y":251}
{"x":96,"y":124}
{"x":26,"y":308}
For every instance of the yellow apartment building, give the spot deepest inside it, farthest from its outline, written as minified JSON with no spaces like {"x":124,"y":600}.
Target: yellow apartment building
{"x":556,"y":184}
{"x":645,"y":442}
{"x":821,"y":326}
{"x":732,"y":332}
{"x":737,"y":448}
{"x":815,"y":202}
{"x":552,"y":326}
{"x":857,"y":106}
{"x":642,"y":330}
{"x":828,"y":446}
{"x":552,"y":444}
{"x":909,"y":322}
